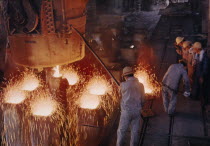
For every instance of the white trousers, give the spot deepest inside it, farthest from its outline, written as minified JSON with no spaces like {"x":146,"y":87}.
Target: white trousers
{"x":169,"y":100}
{"x":129,"y":118}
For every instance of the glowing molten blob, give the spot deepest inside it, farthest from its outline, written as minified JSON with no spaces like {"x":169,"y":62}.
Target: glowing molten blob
{"x":98,"y":86}
{"x":57,"y":73}
{"x":89,"y":101}
{"x":143,"y":78}
{"x":30,"y":82}
{"x":71,"y":76}
{"x":43,"y":106}
{"x":14,"y":96}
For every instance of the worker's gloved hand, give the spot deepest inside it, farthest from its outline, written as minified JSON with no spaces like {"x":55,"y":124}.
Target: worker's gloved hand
{"x":186,"y":94}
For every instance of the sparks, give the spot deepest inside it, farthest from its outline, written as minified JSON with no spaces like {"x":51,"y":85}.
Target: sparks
{"x":57,"y":73}
{"x":98,"y":86}
{"x":43,"y":105}
{"x":71,"y":76}
{"x":14,"y":96}
{"x":30,"y":82}
{"x":89,"y":101}
{"x":143,"y":78}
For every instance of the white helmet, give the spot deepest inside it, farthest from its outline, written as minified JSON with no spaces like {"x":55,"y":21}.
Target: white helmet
{"x":127,"y":71}
{"x":179,"y":40}
{"x":197,"y":45}
{"x":186,"y":44}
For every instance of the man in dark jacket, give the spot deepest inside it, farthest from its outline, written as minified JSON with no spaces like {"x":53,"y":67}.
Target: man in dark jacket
{"x":200,"y":63}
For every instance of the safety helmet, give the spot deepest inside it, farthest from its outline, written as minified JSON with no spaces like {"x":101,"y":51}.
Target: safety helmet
{"x":179,"y":40}
{"x":186,"y":44}
{"x":197,"y":45}
{"x":127,"y":71}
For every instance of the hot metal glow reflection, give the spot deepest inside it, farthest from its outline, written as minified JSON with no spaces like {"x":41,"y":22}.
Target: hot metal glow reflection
{"x":89,"y":101}
{"x":57,"y":73}
{"x":71,"y":76}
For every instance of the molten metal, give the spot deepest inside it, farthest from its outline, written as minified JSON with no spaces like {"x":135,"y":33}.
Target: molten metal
{"x":71,"y":76}
{"x":98,"y":86}
{"x":43,"y":105}
{"x":14,"y":96}
{"x":30,"y":82}
{"x":143,"y":78}
{"x":57,"y":73}
{"x":89,"y":101}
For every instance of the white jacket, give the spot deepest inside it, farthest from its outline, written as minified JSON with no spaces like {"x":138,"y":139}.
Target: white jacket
{"x":132,"y":94}
{"x":174,"y":74}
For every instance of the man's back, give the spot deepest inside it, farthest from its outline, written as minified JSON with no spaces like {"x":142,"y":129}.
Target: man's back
{"x":173,"y":75}
{"x":132,"y":94}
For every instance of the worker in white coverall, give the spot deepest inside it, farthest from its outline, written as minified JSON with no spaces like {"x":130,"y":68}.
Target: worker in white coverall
{"x":170,"y":82}
{"x":131,"y":104}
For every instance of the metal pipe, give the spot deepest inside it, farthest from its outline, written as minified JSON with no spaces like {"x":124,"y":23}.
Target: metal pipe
{"x":97,"y":57}
{"x":63,"y":15}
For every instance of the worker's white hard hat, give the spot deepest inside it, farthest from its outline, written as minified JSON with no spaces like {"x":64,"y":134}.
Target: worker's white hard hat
{"x":179,"y":40}
{"x":187,"y":44}
{"x":127,"y":71}
{"x":197,"y":45}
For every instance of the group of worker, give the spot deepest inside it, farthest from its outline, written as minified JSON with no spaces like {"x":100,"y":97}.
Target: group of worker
{"x":197,"y":66}
{"x":192,"y":68}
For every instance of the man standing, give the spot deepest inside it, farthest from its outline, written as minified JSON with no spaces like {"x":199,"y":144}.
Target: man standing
{"x":170,"y":82}
{"x":179,"y":46}
{"x":132,"y":101}
{"x":185,"y":51}
{"x":188,"y":55}
{"x":200,"y":63}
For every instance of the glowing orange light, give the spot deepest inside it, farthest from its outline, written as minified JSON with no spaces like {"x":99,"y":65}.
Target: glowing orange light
{"x":43,"y":105}
{"x":143,"y":78}
{"x":71,"y":76}
{"x":98,"y":86}
{"x":30,"y":82}
{"x":14,"y":96}
{"x":57,"y":73}
{"x":89,"y":101}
